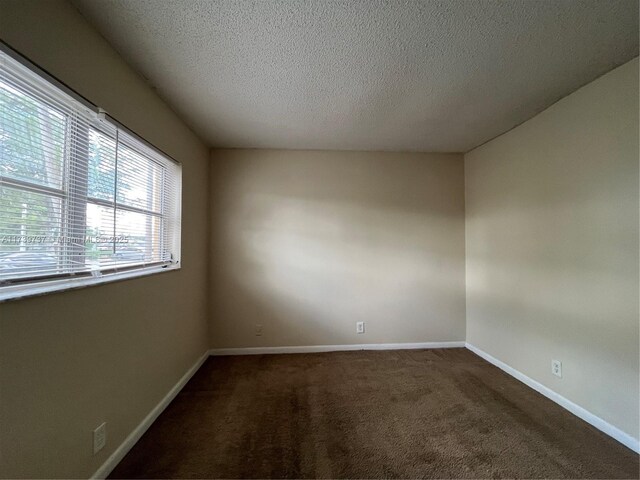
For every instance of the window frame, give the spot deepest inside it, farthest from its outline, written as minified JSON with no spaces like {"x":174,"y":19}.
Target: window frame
{"x":71,"y":184}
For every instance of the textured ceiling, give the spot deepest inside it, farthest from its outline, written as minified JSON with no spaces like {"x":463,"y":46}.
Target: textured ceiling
{"x":365,"y":75}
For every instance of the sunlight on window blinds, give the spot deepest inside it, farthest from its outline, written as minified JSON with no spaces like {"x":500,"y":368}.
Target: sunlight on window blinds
{"x":78,"y":194}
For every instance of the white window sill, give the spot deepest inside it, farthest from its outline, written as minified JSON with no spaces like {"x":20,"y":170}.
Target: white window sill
{"x":16,"y":292}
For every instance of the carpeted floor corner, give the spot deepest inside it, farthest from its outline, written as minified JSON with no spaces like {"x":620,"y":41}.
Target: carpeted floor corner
{"x":368,"y":414}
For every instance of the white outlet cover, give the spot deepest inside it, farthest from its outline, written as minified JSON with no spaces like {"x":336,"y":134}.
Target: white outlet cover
{"x":359,"y":327}
{"x":99,"y":438}
{"x":556,"y":368}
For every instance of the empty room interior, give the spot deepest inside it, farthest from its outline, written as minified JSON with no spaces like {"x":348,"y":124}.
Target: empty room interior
{"x":319,"y":239}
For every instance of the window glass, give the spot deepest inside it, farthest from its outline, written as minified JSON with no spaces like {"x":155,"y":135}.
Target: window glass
{"x":32,"y":138}
{"x":79,"y":195}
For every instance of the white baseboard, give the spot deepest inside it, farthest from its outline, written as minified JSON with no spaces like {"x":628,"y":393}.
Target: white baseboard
{"x":119,"y":453}
{"x":614,"y":432}
{"x":333,"y":348}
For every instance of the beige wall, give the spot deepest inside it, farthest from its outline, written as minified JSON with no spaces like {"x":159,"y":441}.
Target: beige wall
{"x":552,"y":247}
{"x":69,"y":361}
{"x":306,"y":243}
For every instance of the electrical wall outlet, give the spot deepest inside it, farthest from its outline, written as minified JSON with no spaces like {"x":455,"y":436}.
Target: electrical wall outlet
{"x":258,"y":330}
{"x":99,"y":438}
{"x":556,"y":368}
{"x":359,"y":327}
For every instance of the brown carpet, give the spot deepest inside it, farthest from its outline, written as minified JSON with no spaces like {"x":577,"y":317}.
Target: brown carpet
{"x":368,"y":414}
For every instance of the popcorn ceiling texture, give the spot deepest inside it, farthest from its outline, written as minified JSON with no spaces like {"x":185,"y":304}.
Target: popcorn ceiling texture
{"x":438,"y":76}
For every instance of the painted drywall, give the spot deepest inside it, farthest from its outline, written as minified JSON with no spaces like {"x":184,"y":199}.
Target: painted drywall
{"x":552,"y":247}
{"x":70,"y":361}
{"x":307,"y":243}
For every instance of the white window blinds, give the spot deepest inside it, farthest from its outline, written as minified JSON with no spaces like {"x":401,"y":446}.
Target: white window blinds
{"x":79,"y":194}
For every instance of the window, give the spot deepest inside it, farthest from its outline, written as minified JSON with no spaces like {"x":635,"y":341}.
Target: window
{"x":82,"y":199}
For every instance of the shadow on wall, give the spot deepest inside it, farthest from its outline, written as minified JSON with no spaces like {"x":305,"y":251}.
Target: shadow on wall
{"x":575,"y":271}
{"x":308,"y":264}
{"x":552,"y":263}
